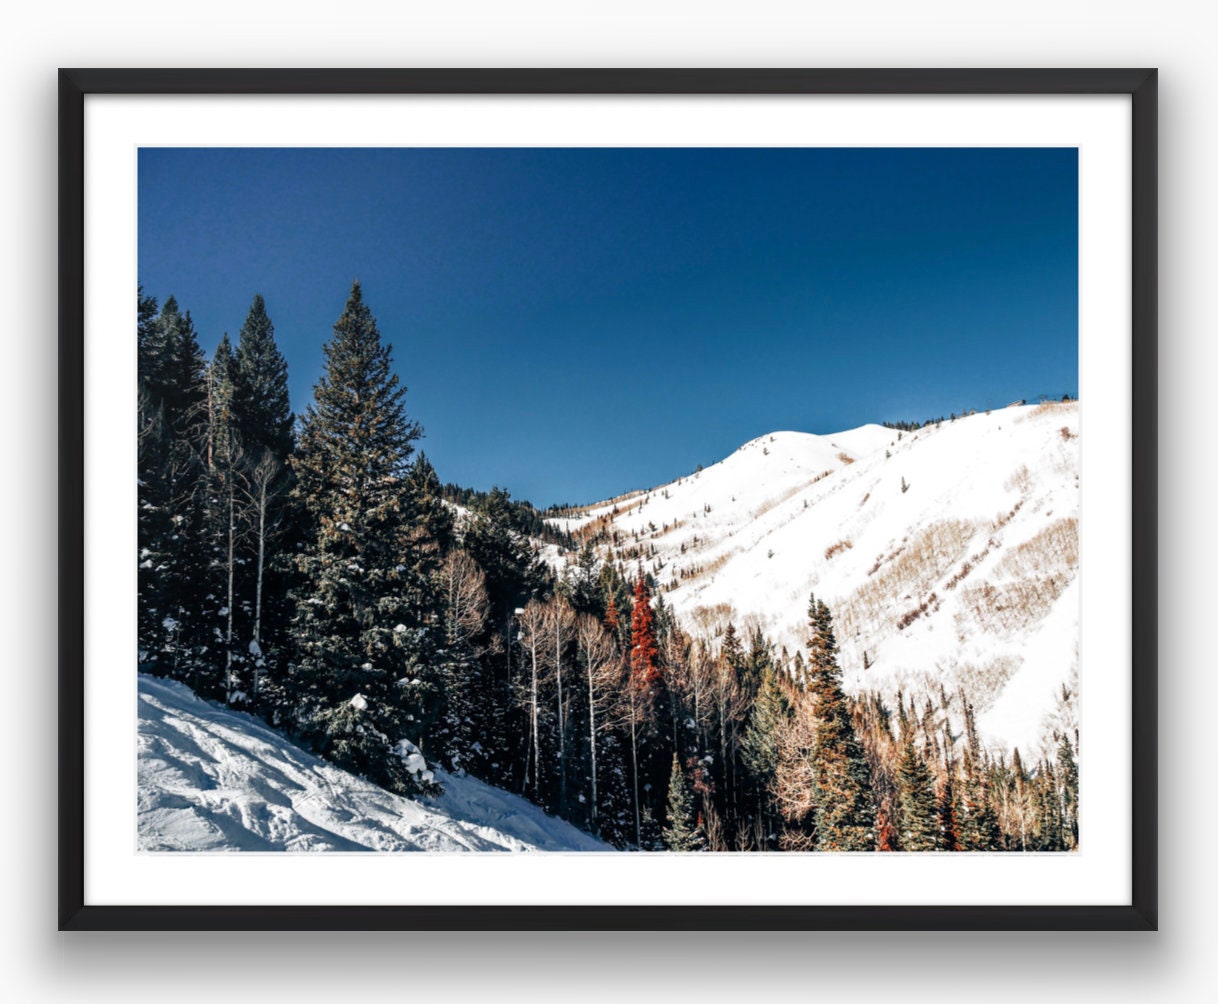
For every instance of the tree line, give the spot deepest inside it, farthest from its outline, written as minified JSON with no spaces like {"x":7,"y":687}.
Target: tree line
{"x":313,"y":570}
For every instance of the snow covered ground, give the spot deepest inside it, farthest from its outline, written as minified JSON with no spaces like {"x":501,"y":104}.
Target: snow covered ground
{"x":948,"y":555}
{"x":211,"y":779}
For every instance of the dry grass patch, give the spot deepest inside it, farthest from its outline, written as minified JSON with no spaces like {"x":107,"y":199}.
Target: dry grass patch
{"x":583,"y":510}
{"x":1037,"y":572}
{"x":710,"y":568}
{"x":1053,"y":408}
{"x":931,"y":604}
{"x":845,"y":458}
{"x":598,"y":528}
{"x":835,"y":549}
{"x":1002,"y":519}
{"x":769,"y":504}
{"x":1053,"y":550}
{"x":913,"y":571}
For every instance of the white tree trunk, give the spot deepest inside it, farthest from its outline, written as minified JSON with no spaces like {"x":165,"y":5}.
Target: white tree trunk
{"x":228,"y":632}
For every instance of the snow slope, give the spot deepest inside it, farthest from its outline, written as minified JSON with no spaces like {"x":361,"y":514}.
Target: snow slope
{"x":948,"y":555}
{"x":211,"y":779}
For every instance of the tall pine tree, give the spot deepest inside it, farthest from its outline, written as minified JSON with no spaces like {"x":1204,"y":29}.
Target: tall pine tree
{"x":682,"y":832}
{"x":919,"y":812}
{"x":177,"y":609}
{"x":845,"y":802}
{"x":366,"y":609}
{"x":264,"y":423}
{"x":264,"y":414}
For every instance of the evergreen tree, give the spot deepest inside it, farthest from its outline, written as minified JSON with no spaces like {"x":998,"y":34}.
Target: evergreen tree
{"x":1067,"y":772}
{"x":919,"y":816}
{"x":583,"y":582}
{"x":759,"y":750}
{"x":845,"y":802}
{"x":644,"y":667}
{"x":435,"y":519}
{"x":731,"y":652}
{"x":366,"y":609}
{"x":1049,"y":835}
{"x":264,"y":415}
{"x":264,"y":423}
{"x":226,"y":479}
{"x":949,"y":836}
{"x":145,"y":319}
{"x":682,"y":832}
{"x":514,"y":575}
{"x":755,"y":664}
{"x":176,"y":607}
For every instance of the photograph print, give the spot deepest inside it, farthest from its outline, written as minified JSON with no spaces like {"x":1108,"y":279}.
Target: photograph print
{"x":685,"y":500}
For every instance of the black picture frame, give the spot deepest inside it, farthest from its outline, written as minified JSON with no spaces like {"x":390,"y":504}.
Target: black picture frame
{"x":1141,"y":913}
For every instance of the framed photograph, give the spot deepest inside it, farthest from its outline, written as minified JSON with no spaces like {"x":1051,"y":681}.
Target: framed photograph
{"x":608,"y":499}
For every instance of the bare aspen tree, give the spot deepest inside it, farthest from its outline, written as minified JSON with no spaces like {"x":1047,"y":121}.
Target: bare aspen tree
{"x":675,"y":649}
{"x":795,"y":774}
{"x":231,"y":478}
{"x":533,"y":636}
{"x":262,"y":486}
{"x":712,"y":826}
{"x":730,"y":705}
{"x":603,"y":674}
{"x":466,"y":607}
{"x":561,"y":620}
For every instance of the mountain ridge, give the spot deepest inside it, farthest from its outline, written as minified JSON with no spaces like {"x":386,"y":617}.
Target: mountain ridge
{"x":948,"y":554}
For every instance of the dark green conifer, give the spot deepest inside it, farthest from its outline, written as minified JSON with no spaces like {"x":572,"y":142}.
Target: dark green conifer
{"x":759,"y":747}
{"x":176,"y":613}
{"x":919,"y":817}
{"x":264,"y":414}
{"x":1067,"y":774}
{"x":366,"y":620}
{"x":845,"y":802}
{"x":682,"y":832}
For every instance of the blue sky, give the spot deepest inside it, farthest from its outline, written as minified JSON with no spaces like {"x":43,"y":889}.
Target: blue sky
{"x":576,"y":323}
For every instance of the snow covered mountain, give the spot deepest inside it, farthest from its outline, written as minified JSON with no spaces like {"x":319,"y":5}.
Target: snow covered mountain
{"x":948,"y":555}
{"x":211,"y":779}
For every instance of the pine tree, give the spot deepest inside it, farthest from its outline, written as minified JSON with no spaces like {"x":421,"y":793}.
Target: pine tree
{"x":1048,"y":826}
{"x":845,"y":802}
{"x":513,"y":572}
{"x":613,"y":620}
{"x":759,"y":747}
{"x":755,"y":664}
{"x":644,"y":668}
{"x":919,"y":817}
{"x":227,"y":484}
{"x":682,"y":832}
{"x":264,"y":415}
{"x":435,"y":519}
{"x":583,"y":581}
{"x":366,"y":609}
{"x":731,"y":651}
{"x":176,"y":608}
{"x":949,"y":836}
{"x":265,"y":579}
{"x":1067,"y":772}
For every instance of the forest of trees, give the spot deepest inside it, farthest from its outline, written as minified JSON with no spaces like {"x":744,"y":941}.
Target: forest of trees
{"x":313,"y":570}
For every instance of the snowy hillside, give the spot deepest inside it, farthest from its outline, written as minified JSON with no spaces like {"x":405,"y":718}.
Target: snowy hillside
{"x":212,"y":779}
{"x":948,"y":555}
